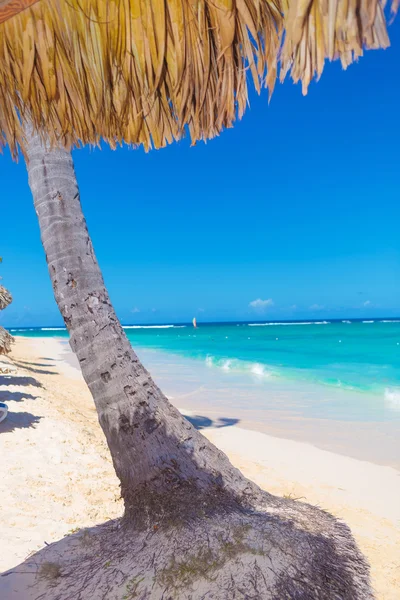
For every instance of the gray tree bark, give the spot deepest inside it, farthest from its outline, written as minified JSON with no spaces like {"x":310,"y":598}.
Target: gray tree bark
{"x":152,"y":446}
{"x":195,"y":527}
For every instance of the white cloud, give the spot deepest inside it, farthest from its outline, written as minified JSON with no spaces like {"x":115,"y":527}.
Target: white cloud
{"x":135,"y":310}
{"x":261,"y":305}
{"x":367,"y":303}
{"x":317,"y":307}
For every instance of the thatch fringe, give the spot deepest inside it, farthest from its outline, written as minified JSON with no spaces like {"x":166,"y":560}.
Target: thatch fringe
{"x":5,"y":341}
{"x":140,"y":71}
{"x":319,"y":29}
{"x":5,"y":338}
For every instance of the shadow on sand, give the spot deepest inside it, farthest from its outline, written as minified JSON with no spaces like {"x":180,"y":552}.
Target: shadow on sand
{"x":6,"y":396}
{"x":109,"y":561}
{"x":22,"y":420}
{"x":16,"y":380}
{"x":26,"y":367}
{"x":223,"y":533}
{"x":203,"y":422}
{"x":33,"y":364}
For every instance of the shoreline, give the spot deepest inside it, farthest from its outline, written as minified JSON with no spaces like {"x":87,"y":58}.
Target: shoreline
{"x":58,"y":475}
{"x":268,"y":407}
{"x":281,"y":407}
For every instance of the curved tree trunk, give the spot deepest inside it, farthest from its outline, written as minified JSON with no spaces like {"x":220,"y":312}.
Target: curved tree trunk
{"x":195,"y":527}
{"x":152,"y":446}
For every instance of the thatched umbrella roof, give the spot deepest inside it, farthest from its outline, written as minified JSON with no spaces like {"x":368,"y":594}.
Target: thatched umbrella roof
{"x":5,"y":298}
{"x":139,"y":71}
{"x":5,"y":338}
{"x":5,"y":341}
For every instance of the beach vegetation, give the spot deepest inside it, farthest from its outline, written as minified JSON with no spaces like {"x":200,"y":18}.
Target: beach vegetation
{"x":50,"y":571}
{"x":132,"y":588}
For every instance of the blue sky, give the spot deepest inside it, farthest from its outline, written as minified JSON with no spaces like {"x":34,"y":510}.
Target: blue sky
{"x":294,"y":213}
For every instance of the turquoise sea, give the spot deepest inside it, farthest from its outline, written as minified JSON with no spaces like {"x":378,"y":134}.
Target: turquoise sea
{"x":354,"y":355}
{"x":334,"y":384}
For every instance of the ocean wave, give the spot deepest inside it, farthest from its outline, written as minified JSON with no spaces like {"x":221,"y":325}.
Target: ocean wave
{"x":390,"y":321}
{"x":298,"y":323}
{"x":346,"y":321}
{"x":154,"y":326}
{"x":392,"y":398}
{"x":239,"y":366}
{"x":226,"y":365}
{"x":368,"y":321}
{"x":260,"y":370}
{"x":52,"y":329}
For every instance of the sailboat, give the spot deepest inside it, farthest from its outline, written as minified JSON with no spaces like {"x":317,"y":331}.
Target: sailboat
{"x":194,"y":323}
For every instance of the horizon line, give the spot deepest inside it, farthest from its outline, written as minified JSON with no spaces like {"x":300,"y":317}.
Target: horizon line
{"x":235,"y":322}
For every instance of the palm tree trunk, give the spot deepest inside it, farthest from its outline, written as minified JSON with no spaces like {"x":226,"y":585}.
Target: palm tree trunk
{"x":221,"y":535}
{"x":154,"y":449}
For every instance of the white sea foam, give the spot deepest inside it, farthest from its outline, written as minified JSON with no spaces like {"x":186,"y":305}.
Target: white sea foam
{"x":368,"y":321}
{"x":392,"y":398}
{"x":390,"y":321}
{"x":259,"y":370}
{"x":346,"y":321}
{"x":300,"y":323}
{"x":154,"y":326}
{"x":209,"y":361}
{"x":51,"y":329}
{"x":226,"y":365}
{"x":239,"y":366}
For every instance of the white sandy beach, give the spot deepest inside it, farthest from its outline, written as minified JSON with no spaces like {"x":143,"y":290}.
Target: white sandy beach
{"x":56,"y":472}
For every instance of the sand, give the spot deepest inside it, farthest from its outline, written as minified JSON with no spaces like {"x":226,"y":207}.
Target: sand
{"x":56,"y":474}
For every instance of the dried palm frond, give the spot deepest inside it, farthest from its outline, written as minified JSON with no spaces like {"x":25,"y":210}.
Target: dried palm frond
{"x":140,"y":71}
{"x":319,"y":29}
{"x":5,"y":341}
{"x":5,"y":298}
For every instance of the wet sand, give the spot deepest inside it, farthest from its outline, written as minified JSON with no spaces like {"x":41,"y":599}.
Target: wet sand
{"x":280,"y":408}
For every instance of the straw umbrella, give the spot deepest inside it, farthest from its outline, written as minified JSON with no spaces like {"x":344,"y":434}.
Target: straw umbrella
{"x":141,"y":71}
{"x":5,"y":298}
{"x":5,"y":338}
{"x":5,"y":341}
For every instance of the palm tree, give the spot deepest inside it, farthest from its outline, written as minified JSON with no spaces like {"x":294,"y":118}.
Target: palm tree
{"x":141,"y":72}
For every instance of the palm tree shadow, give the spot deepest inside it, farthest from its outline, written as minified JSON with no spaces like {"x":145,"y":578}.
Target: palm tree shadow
{"x":32,"y":369}
{"x":17,"y":380}
{"x":64,"y":568}
{"x":309,"y":546}
{"x":6,"y":396}
{"x":22,"y":420}
{"x":200,"y":422}
{"x":34,"y":364}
